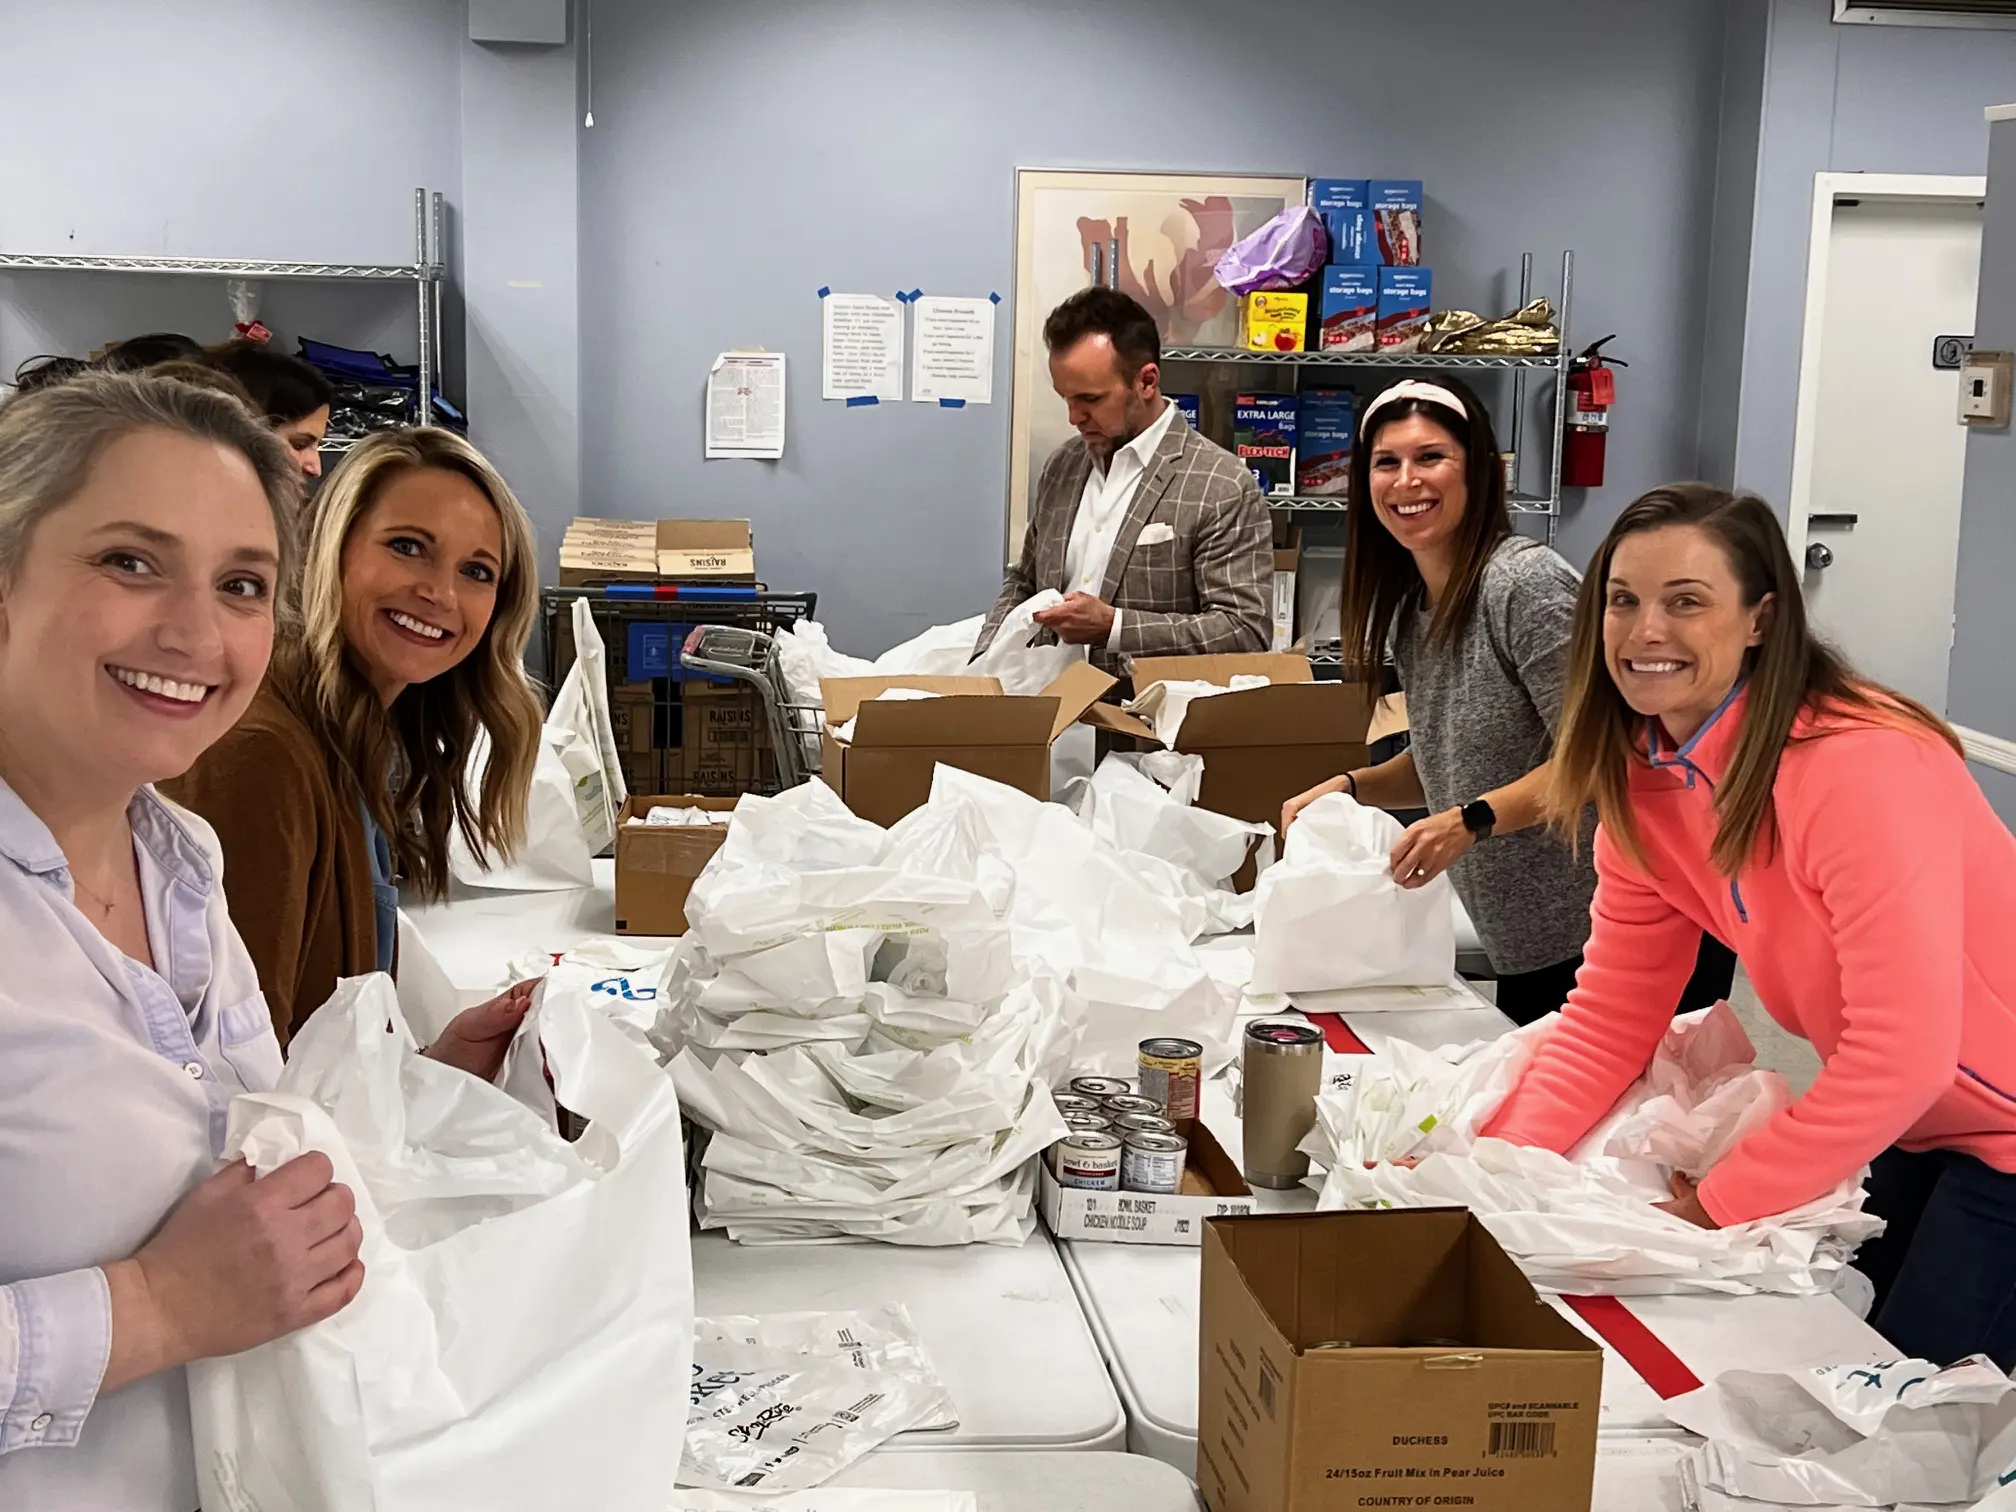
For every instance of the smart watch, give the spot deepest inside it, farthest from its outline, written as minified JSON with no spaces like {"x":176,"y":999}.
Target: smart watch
{"x":1479,"y":818}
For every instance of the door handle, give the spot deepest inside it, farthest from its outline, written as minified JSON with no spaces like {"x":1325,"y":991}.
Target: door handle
{"x":1819,"y":554}
{"x":1826,"y":521}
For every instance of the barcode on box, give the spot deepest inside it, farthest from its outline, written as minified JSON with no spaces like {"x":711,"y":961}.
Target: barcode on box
{"x":1521,"y":1441}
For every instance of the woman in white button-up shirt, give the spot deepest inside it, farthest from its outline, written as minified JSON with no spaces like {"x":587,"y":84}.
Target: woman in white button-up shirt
{"x":144,"y":534}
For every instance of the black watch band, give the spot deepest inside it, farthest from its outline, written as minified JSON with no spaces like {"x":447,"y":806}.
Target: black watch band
{"x":1479,"y":818}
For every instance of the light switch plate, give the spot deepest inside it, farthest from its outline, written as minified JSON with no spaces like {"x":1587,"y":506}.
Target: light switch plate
{"x":1984,"y":390}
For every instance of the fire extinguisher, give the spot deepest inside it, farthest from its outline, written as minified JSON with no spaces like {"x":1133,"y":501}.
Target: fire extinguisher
{"x":1586,"y":423}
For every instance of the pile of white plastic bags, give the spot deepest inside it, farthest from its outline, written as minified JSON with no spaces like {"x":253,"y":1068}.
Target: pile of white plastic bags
{"x":807,"y":655}
{"x":868,"y":1022}
{"x":1586,"y":1223}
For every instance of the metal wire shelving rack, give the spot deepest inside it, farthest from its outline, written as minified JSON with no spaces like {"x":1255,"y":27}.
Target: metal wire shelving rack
{"x":1523,"y":368}
{"x":427,"y":273}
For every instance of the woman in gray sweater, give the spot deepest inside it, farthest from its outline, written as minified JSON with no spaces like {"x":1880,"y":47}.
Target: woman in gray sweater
{"x":1476,"y":620}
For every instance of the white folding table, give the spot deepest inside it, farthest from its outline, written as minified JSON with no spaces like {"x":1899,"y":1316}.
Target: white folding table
{"x":1001,"y":1324}
{"x":1012,"y":1481}
{"x":476,"y":935}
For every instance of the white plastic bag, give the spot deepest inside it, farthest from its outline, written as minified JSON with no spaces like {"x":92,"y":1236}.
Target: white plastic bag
{"x":577,"y":784}
{"x":1142,"y":805}
{"x":1587,"y":1222}
{"x":1895,"y":1433}
{"x":476,"y":1369}
{"x":761,"y":1419}
{"x":1023,"y":669}
{"x":941,"y":651}
{"x":835,"y":1500}
{"x":1163,"y":704}
{"x":878,"y":1338}
{"x":1330,"y":916}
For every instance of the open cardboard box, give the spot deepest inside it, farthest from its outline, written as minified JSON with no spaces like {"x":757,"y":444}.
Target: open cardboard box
{"x":656,"y":864}
{"x":628,"y":551}
{"x":1261,"y":746}
{"x":1392,"y":1358}
{"x":1212,"y":1188}
{"x":885,"y":770}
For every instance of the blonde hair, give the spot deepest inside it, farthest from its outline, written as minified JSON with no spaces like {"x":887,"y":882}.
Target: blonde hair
{"x":410,"y":763}
{"x":1792,"y":672}
{"x":51,"y":439}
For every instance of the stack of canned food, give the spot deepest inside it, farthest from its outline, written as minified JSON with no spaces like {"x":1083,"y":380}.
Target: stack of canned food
{"x":1124,"y":1140}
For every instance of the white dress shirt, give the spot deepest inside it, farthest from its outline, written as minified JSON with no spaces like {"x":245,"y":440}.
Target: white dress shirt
{"x":114,"y":1083}
{"x":1101,"y":509}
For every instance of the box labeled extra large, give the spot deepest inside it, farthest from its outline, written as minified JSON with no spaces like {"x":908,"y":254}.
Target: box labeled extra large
{"x":1390,"y":1358}
{"x":884,"y":771}
{"x":1263,"y":437}
{"x":1261,"y":746}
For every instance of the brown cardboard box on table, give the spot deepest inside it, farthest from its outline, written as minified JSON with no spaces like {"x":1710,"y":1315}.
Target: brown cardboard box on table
{"x":656,"y":863}
{"x":629,"y":551}
{"x":1261,"y":746}
{"x":1392,"y":1358}
{"x":885,"y":770}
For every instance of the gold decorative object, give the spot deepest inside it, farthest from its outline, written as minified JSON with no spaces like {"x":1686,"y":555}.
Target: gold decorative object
{"x":1527,"y":332}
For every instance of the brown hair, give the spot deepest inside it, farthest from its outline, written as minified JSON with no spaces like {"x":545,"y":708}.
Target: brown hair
{"x":1119,"y":317}
{"x":1381,"y":581}
{"x":1792,"y":672}
{"x":411,"y":764}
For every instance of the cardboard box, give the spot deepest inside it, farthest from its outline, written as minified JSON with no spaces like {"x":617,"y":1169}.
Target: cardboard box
{"x":656,"y":863}
{"x":726,"y":739}
{"x":1263,"y":437}
{"x":645,"y":771}
{"x":1390,"y":1358}
{"x":1396,"y":214}
{"x":1262,"y":746}
{"x":1326,"y":430}
{"x":885,"y":770}
{"x":714,"y":551}
{"x":1403,"y":308}
{"x":1350,"y":309}
{"x":633,"y":715}
{"x":1212,"y":1188}
{"x":1274,"y":321}
{"x":1342,"y":204}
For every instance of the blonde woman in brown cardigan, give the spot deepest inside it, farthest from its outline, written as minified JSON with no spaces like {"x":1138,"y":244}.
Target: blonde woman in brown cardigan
{"x":353,"y":765}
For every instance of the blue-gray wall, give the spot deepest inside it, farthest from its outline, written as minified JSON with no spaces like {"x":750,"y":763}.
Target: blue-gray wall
{"x":744,"y":155}
{"x":1982,"y":692}
{"x":1744,"y":50}
{"x":1843,"y":99}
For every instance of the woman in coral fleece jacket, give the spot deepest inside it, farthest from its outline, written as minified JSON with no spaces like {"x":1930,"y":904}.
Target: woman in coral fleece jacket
{"x":1748,"y":783}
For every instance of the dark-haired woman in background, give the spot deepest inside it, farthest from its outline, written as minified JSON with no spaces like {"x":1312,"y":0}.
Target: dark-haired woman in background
{"x":137,"y":353}
{"x":1477,"y":619}
{"x":291,"y":394}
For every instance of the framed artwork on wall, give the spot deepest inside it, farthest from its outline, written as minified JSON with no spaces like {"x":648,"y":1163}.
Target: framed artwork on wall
{"x":1155,"y":236}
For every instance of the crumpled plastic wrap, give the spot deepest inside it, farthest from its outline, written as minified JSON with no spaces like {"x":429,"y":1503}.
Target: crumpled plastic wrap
{"x":1528,"y":331}
{"x":942,"y":651}
{"x":1586,"y":1223}
{"x":1280,"y":255}
{"x":1894,"y":1433}
{"x":1162,"y":705}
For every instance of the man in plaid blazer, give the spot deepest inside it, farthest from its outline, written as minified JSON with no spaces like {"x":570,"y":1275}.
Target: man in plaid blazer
{"x":1159,"y":540}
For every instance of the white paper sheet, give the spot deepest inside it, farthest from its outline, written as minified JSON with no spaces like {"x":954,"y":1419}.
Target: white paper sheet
{"x":953,"y":356}
{"x":745,"y":405}
{"x":862,"y":336}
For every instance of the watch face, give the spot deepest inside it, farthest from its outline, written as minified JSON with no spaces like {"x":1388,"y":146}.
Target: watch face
{"x":1478,"y":817}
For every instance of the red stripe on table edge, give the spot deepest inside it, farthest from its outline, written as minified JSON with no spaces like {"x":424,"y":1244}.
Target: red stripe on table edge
{"x":1338,"y":1035}
{"x":1643,"y":1350}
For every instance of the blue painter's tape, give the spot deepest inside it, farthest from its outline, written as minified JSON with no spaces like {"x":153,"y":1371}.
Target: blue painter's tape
{"x":824,"y":290}
{"x":901,"y":297}
{"x":995,"y":297}
{"x":854,"y":401}
{"x":916,"y":293}
{"x":951,"y":404}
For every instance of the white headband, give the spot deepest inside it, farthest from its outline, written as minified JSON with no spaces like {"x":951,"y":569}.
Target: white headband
{"x":1410,"y":388}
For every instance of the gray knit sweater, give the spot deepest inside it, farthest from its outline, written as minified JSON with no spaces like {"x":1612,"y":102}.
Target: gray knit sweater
{"x":1482,"y":711}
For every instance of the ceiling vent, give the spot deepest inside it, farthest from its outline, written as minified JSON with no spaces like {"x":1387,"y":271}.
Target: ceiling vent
{"x":1984,"y":13}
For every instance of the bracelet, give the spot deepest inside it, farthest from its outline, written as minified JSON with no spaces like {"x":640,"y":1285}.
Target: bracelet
{"x":1352,"y":779}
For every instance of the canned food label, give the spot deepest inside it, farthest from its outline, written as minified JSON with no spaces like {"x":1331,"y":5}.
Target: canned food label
{"x":1094,"y":1173}
{"x":1158,"y":1171}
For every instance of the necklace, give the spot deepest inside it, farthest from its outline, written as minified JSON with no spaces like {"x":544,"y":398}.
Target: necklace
{"x":105,"y":904}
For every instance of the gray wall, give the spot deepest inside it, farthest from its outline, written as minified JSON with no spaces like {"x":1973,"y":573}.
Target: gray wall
{"x":1847,"y":99}
{"x":744,"y":155}
{"x":1744,"y":49}
{"x":1982,"y":693}
{"x":283,"y":129}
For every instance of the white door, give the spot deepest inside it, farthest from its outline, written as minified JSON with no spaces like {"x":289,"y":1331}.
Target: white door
{"x":1889,"y":452}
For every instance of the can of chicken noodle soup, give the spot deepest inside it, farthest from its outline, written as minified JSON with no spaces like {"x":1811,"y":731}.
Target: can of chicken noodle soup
{"x":1153,"y":1163}
{"x":1141,"y":1123}
{"x":1172,"y":1072}
{"x":1071,"y":1102}
{"x":1127,"y":1102}
{"x":1099,"y":1088}
{"x":1088,"y":1123}
{"x":1090,"y":1161}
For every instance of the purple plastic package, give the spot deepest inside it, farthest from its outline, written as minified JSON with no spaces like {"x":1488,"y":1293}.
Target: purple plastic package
{"x":1280,"y":255}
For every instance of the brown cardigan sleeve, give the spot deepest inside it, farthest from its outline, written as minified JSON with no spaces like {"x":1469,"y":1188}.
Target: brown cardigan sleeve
{"x":259,"y":790}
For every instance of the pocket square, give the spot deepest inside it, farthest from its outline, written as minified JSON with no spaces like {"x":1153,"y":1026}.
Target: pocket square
{"x":1155,"y":535}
